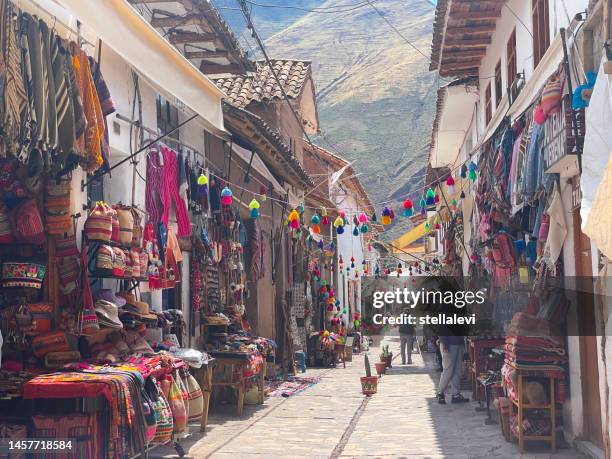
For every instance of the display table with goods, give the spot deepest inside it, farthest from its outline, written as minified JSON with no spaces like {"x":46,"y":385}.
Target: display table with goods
{"x":241,"y":359}
{"x":482,"y":362}
{"x":533,"y":376}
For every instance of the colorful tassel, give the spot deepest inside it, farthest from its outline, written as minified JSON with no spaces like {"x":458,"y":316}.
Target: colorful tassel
{"x":450,"y":185}
{"x":430,"y":197}
{"x":315,"y":219}
{"x":316,"y":229}
{"x":363,"y":218}
{"x":227,"y":197}
{"x":374,"y":218}
{"x":364,"y":228}
{"x":340,"y":230}
{"x":462,"y":195}
{"x":355,"y":231}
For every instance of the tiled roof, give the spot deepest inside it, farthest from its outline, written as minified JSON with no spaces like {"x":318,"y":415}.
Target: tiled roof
{"x":260,"y":86}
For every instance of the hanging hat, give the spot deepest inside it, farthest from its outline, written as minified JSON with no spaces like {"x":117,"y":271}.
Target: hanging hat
{"x":110,"y":296}
{"x":108,"y":314}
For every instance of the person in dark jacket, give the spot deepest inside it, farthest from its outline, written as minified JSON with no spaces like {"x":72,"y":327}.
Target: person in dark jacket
{"x":452,"y":348}
{"x":406,"y":332}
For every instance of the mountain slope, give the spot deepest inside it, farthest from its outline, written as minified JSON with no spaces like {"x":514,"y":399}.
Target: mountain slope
{"x":376,"y":96}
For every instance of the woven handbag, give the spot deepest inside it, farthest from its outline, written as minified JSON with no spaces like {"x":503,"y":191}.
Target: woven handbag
{"x":195,"y":398}
{"x":165,"y":423}
{"x":28,"y":223}
{"x":99,"y":223}
{"x":177,"y":406}
{"x":126,"y":225}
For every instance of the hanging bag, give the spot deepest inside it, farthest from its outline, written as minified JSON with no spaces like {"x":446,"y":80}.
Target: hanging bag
{"x":99,"y":223}
{"x":87,"y":318}
{"x":165,"y":423}
{"x":126,"y":225}
{"x":28,"y":223}
{"x":177,"y":406}
{"x":195,"y":398}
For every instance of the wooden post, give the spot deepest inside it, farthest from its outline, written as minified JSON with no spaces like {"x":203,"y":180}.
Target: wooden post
{"x":241,"y":388}
{"x":206,"y":386}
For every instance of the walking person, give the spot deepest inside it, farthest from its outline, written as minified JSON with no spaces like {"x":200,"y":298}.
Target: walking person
{"x":452,"y":349}
{"x":406,"y":332}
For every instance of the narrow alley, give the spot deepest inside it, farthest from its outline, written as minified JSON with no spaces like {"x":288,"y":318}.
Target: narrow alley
{"x":332,"y":419}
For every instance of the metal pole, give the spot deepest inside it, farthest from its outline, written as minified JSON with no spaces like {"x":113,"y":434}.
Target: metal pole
{"x":123,"y":161}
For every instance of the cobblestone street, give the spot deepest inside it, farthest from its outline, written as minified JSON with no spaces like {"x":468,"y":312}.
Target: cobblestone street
{"x":332,"y":419}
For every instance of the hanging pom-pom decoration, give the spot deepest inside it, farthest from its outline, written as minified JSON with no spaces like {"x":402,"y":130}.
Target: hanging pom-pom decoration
{"x":320,"y":244}
{"x":364,"y":228}
{"x":436,"y":198}
{"x":254,"y":206}
{"x":386,"y":216}
{"x":464,"y":171}
{"x":423,"y":206}
{"x":374,"y":218}
{"x":472,"y":173}
{"x":437,"y":226}
{"x":325,"y":220}
{"x":462,"y":195}
{"x":203,"y":184}
{"x":430,"y":197}
{"x":450,"y":185}
{"x":391,"y":213}
{"x":293,"y":215}
{"x":355,"y":231}
{"x":294,"y":224}
{"x":399,"y":269}
{"x":363,"y":218}
{"x":301,"y":208}
{"x":227,"y":197}
{"x":316,"y":229}
{"x":355,"y":221}
{"x":408,"y":208}
{"x":427,"y":227}
{"x":323,"y":212}
{"x":356,"y":274}
{"x":338,"y":222}
{"x":454,"y":205}
{"x":315,"y":219}
{"x":339,"y":229}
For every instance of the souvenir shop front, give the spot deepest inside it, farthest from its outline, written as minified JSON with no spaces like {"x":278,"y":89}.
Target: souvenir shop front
{"x":521,"y":190}
{"x":88,"y":353}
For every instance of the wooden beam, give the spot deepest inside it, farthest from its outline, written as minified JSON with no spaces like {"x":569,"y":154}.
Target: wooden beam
{"x":177,"y":37}
{"x":206,"y":54}
{"x":467,"y":42}
{"x":468,"y":30}
{"x":475,"y":16}
{"x":211,"y":69}
{"x":176,"y":21}
{"x":458,"y":73}
{"x":462,"y":63}
{"x":450,"y":54}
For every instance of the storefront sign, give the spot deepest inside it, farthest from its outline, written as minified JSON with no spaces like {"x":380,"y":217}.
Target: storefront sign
{"x":559,"y":142}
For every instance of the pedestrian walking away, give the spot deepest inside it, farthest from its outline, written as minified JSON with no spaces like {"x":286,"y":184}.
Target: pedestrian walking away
{"x":452,"y":349}
{"x":406,"y":332}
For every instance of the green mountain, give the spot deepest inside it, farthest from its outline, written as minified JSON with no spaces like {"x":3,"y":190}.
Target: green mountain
{"x":376,"y":96}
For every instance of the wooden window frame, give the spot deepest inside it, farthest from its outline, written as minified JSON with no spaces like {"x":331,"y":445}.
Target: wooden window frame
{"x":498,"y":84}
{"x":511,"y":65}
{"x":488,"y":109}
{"x":541,"y":29}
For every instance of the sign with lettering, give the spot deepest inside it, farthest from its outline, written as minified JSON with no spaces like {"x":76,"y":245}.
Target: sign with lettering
{"x":559,"y":142}
{"x":576,"y":193}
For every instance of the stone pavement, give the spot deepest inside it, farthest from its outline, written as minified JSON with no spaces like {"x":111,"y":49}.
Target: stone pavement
{"x":333,"y":420}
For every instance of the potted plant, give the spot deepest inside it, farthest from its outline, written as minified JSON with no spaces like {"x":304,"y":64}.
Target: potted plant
{"x":369,"y":383}
{"x":386,"y":356}
{"x":380,"y":368}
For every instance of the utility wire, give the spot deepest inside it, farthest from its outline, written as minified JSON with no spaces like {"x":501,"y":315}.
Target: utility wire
{"x":326,"y":10}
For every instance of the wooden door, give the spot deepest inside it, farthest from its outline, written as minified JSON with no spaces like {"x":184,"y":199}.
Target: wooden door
{"x":589,"y":370}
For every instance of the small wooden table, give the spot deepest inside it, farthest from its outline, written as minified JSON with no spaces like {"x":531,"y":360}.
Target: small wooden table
{"x":238,"y":360}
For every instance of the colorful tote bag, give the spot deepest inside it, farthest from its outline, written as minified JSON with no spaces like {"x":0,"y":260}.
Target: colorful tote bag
{"x":163,"y":417}
{"x":195,"y":398}
{"x":177,"y":406}
{"x":99,"y":223}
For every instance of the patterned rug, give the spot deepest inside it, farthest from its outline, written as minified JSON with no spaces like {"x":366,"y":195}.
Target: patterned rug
{"x":292,"y":386}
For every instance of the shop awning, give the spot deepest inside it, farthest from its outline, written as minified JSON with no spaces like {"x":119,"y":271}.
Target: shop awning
{"x":414,"y":234}
{"x":119,"y":26}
